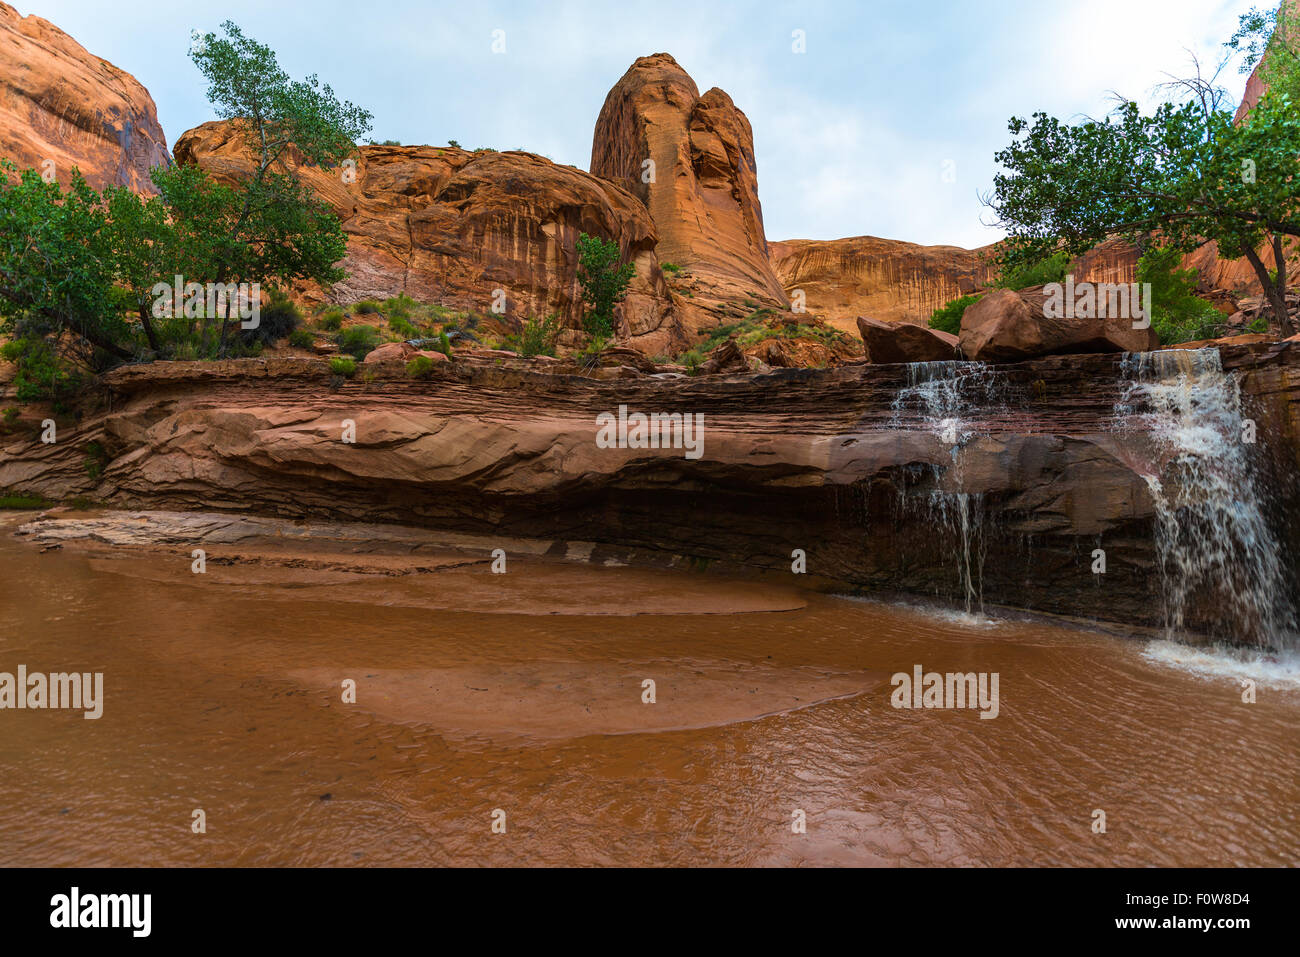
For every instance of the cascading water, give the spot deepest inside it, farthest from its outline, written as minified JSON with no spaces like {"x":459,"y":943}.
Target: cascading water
{"x":1215,"y":547}
{"x":942,"y":395}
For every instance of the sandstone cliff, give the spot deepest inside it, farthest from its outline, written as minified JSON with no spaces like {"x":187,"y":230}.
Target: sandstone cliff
{"x":829,"y":461}
{"x":879,"y":278}
{"x":59,"y":102}
{"x":701,"y":189}
{"x":450,"y":226}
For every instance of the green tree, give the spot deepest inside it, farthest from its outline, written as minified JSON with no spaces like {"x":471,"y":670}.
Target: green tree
{"x":1180,"y":176}
{"x":1177,"y":313}
{"x":270,"y":226}
{"x":57,"y":268}
{"x":604,"y":282}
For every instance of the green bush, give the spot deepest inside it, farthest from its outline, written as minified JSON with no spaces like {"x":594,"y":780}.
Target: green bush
{"x":948,"y":318}
{"x":1177,"y":313}
{"x":604,"y":282}
{"x":357,"y":341}
{"x":444,"y":345}
{"x":331,"y":319}
{"x":670,"y":267}
{"x":301,"y":339}
{"x":403,"y":328}
{"x":42,"y":375}
{"x":366,"y":307}
{"x":421,"y":367}
{"x":343,"y":365}
{"x":1259,"y":325}
{"x":278,"y":318}
{"x":692,"y":360}
{"x":1023,"y":275}
{"x":538,"y":337}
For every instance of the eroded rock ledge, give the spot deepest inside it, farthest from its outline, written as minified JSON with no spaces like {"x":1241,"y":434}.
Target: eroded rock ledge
{"x":832,"y":462}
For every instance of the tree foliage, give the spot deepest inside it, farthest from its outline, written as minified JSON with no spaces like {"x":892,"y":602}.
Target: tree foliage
{"x":78,"y":268}
{"x":604,"y":282}
{"x":1178,"y":176}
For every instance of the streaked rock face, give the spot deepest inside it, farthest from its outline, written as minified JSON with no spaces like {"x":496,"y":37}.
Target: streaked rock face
{"x":825,"y":460}
{"x":449,"y":226}
{"x":702,"y":190}
{"x":59,"y":102}
{"x":881,"y":278}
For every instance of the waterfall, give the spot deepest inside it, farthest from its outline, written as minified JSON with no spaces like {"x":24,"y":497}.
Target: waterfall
{"x":1214,"y":543}
{"x":942,"y":395}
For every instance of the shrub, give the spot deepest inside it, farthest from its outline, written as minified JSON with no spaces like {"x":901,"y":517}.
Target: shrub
{"x":366,"y":307}
{"x":1259,"y":325}
{"x":356,"y":341}
{"x":670,"y":267}
{"x":421,"y":367}
{"x":343,"y":366}
{"x":1177,"y":313}
{"x":1037,"y":273}
{"x":444,"y":345}
{"x":538,"y":337}
{"x":95,"y":460}
{"x":948,"y":318}
{"x":42,"y":375}
{"x":692,"y":360}
{"x":278,"y":318}
{"x":604,"y":282}
{"x":331,"y":319}
{"x":403,"y":328}
{"x":301,"y":339}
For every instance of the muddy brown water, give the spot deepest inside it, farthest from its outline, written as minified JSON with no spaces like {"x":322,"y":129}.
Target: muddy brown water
{"x":224,"y":694}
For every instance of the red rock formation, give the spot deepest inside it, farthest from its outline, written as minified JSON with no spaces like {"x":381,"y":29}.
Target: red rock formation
{"x":703,"y":195}
{"x":828,"y":458}
{"x":59,"y":102}
{"x":1009,"y":326}
{"x":842,"y":279}
{"x":905,"y":342}
{"x":449,"y":226}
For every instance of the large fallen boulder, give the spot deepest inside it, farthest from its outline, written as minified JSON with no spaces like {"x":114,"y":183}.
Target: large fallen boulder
{"x":726,"y":359}
{"x":1007,"y":325}
{"x":905,"y":342}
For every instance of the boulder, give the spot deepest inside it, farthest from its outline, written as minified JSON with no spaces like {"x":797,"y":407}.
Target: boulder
{"x":61,"y":103}
{"x":905,"y":342}
{"x":391,"y":352}
{"x":1008,"y":326}
{"x":726,"y":359}
{"x":437,"y":357}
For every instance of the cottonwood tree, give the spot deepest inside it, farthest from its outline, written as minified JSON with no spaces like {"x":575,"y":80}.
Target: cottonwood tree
{"x":269,"y":224}
{"x":1177,"y":177}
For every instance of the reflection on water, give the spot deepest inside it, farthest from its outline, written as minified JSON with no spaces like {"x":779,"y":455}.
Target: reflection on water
{"x":226,"y":698}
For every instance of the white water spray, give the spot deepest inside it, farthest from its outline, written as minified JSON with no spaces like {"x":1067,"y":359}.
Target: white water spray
{"x":943,"y":395}
{"x":1218,"y":556}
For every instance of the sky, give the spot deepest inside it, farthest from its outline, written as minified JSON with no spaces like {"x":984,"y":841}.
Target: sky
{"x":886,"y":125}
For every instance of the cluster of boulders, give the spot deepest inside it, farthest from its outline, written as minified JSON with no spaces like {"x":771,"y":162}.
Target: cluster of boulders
{"x":1006,"y":326}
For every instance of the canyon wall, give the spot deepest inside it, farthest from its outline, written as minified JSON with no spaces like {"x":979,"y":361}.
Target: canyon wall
{"x":886,"y":279}
{"x":450,"y":226}
{"x":828,"y":461}
{"x":60,"y":103}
